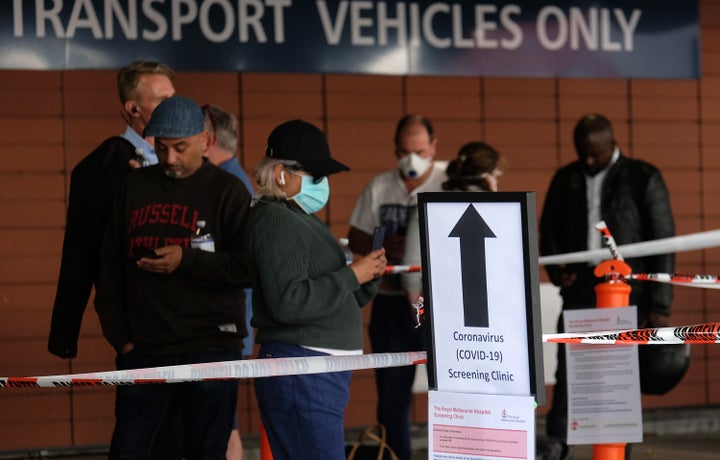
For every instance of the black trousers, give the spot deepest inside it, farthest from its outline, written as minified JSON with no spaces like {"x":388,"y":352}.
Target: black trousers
{"x":190,"y":420}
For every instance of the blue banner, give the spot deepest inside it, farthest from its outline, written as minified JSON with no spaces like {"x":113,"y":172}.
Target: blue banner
{"x":604,"y":38}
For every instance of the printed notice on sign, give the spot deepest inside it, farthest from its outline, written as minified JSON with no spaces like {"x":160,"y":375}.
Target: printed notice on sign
{"x":603,"y":380}
{"x":473,"y":426}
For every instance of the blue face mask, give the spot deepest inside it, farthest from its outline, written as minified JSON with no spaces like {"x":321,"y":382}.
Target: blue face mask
{"x":312,"y":196}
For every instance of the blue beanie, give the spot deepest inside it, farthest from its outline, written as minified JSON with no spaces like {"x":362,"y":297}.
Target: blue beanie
{"x":176,"y":117}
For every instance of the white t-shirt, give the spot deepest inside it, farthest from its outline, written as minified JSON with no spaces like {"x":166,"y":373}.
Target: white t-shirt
{"x":593,"y":196}
{"x":386,"y":201}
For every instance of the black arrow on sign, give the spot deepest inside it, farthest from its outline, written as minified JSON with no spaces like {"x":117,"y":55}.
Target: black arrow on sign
{"x":472,"y":231}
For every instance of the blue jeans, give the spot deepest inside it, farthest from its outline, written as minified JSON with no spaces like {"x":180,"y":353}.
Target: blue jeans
{"x":189,"y":420}
{"x":303,"y":414}
{"x":391,"y":331}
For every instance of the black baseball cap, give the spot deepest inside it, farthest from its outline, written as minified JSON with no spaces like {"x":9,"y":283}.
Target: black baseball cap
{"x":303,"y":142}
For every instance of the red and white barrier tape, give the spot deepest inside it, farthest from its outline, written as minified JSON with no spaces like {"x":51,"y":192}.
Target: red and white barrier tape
{"x":698,"y":333}
{"x":256,"y":368}
{"x":243,"y":369}
{"x":701,"y":281}
{"x":608,"y":240}
{"x":691,"y":242}
{"x":394,"y":269}
{"x":701,"y":240}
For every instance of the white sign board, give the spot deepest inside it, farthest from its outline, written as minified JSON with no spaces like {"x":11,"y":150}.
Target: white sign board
{"x":603,"y":380}
{"x":481,"y":287}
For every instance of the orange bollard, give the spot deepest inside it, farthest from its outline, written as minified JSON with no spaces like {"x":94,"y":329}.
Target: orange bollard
{"x":614,"y":292}
{"x":265,"y":452}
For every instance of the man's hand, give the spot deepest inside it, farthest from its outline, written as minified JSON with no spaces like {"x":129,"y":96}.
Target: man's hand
{"x":561,"y":276}
{"x":127,"y":348}
{"x":370,"y":267}
{"x":567,"y":279}
{"x":168,"y":260}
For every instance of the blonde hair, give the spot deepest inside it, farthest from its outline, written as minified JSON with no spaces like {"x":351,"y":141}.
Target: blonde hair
{"x":129,"y":76}
{"x":265,"y":177}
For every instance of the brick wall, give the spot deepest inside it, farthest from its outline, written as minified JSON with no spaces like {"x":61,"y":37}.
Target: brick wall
{"x":50,"y":120}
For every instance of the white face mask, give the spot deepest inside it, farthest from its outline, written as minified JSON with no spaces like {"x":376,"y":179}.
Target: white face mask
{"x":413,"y":165}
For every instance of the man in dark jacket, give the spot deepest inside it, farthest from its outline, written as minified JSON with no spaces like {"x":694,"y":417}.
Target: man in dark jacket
{"x":142,"y":85}
{"x":631,"y":197}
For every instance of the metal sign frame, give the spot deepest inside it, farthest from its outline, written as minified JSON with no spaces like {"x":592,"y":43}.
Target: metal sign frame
{"x":525,"y":272}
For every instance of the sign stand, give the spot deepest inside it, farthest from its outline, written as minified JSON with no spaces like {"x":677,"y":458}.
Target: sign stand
{"x":482,"y":304}
{"x":614,"y":292}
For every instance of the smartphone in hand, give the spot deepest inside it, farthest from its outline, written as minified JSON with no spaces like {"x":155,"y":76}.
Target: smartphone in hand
{"x":378,"y":237}
{"x":148,"y":253}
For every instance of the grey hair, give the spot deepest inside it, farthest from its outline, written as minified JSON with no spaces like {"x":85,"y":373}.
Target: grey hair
{"x":265,"y":178}
{"x":223,"y":125}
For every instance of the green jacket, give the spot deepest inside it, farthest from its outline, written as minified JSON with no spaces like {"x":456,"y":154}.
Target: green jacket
{"x":304,"y":293}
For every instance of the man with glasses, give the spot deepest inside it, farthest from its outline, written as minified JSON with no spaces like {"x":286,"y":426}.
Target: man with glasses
{"x":141,"y":85}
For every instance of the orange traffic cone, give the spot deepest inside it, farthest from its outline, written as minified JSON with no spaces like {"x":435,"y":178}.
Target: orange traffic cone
{"x":265,"y":452}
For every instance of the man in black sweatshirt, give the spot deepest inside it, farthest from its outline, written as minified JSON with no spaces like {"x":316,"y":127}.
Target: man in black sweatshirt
{"x":170,"y":289}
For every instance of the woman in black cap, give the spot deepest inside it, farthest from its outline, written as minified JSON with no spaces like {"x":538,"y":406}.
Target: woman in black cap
{"x":307,"y":298}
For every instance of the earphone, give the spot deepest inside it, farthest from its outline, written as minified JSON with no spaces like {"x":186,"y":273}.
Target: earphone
{"x":282,"y":177}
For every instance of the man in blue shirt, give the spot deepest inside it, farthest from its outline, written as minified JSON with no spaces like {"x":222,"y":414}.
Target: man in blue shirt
{"x":142,"y":85}
{"x":222,"y":127}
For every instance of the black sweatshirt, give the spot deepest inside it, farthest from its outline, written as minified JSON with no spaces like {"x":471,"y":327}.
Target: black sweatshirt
{"x":202,"y":303}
